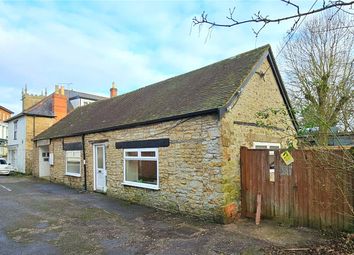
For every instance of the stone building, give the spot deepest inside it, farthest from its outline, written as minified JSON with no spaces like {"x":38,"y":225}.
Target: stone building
{"x":39,"y":112}
{"x":175,"y":144}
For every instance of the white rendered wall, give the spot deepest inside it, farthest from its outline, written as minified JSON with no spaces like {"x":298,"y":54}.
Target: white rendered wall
{"x":19,"y":144}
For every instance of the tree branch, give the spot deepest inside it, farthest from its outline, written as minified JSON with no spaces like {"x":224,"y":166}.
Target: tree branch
{"x":259,"y":18}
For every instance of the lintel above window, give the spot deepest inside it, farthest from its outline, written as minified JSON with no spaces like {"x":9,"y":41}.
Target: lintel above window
{"x":72,"y":146}
{"x":152,"y":143}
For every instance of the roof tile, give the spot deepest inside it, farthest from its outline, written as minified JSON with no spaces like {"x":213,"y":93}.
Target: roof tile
{"x":201,"y":90}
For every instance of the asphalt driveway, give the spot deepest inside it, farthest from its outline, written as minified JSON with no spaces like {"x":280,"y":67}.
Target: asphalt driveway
{"x":38,"y":217}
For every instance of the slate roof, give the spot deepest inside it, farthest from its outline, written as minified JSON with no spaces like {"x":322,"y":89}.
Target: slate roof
{"x":205,"y":90}
{"x":44,"y":107}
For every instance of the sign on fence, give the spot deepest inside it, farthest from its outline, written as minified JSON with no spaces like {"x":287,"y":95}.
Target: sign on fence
{"x":287,"y":158}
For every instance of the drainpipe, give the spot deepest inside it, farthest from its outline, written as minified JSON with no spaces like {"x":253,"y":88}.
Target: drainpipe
{"x":84,"y":157}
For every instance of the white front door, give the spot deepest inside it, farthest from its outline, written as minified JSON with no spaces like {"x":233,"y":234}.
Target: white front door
{"x":100,"y":167}
{"x":44,"y":168}
{"x":12,"y":158}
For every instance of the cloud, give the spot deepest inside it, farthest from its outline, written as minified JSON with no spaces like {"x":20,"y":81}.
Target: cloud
{"x":87,"y":45}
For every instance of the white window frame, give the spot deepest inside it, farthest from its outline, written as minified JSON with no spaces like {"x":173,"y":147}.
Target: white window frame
{"x":267,"y":145}
{"x":66,"y":165}
{"x":139,"y":157}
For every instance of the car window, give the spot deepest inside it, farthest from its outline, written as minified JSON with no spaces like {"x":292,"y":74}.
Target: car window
{"x":2,"y":162}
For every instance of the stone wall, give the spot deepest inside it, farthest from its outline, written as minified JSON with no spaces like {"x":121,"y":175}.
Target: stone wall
{"x":189,"y":169}
{"x":34,"y":126}
{"x":58,"y":170}
{"x":259,"y":94}
{"x":29,"y":100}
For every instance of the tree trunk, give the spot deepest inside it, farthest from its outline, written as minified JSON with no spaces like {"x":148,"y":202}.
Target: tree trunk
{"x":323,"y":134}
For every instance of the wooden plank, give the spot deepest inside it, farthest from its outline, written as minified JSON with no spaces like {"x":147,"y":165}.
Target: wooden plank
{"x":297,"y":208}
{"x":243,"y":173}
{"x":277,"y":187}
{"x":309,"y":197}
{"x":258,"y":213}
{"x":302,"y":188}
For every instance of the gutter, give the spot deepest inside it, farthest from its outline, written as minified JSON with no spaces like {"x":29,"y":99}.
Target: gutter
{"x":133,"y":125}
{"x":27,"y":114}
{"x":84,"y":158}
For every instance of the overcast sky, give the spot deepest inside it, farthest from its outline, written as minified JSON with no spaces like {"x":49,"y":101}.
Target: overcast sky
{"x":86,"y":45}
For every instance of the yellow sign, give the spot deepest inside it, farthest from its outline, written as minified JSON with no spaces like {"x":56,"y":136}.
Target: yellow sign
{"x":287,"y":158}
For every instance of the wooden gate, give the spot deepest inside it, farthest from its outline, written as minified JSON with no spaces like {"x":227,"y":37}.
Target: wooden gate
{"x":310,"y":192}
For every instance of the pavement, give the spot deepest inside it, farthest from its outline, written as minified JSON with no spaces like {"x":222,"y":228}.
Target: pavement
{"x":39,"y":217}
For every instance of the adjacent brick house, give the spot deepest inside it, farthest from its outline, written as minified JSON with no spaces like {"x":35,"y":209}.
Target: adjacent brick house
{"x":39,"y":112}
{"x":175,"y":144}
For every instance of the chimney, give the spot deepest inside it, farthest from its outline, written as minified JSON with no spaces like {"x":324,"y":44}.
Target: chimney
{"x":60,"y":108}
{"x":62,"y":92}
{"x":113,"y":90}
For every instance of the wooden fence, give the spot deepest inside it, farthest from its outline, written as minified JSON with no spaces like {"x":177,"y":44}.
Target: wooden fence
{"x":316,"y":190}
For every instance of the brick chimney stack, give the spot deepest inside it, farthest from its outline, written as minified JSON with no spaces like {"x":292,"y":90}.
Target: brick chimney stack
{"x":60,"y":108}
{"x":113,"y":90}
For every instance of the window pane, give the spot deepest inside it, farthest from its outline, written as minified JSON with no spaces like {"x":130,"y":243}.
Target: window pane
{"x":148,"y":172}
{"x":260,"y":147}
{"x":148,"y":154}
{"x":274,"y":147}
{"x":141,"y":171}
{"x":132,"y":170}
{"x":2,"y":162}
{"x":100,"y":157}
{"x":73,"y":167}
{"x":131,"y":153}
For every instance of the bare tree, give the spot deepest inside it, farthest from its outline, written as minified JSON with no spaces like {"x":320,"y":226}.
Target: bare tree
{"x":264,"y":20}
{"x":320,"y":71}
{"x":346,"y":117}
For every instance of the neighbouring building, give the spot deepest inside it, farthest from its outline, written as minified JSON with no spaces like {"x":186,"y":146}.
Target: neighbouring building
{"x":5,"y":114}
{"x":335,"y":138}
{"x":173,"y":145}
{"x":39,"y":112}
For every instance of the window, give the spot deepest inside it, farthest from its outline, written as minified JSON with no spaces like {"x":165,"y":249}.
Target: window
{"x":271,"y":157}
{"x":265,"y":145}
{"x":141,"y":168}
{"x":15,"y":130}
{"x":73,"y":163}
{"x":3,"y":162}
{"x":45,"y":156}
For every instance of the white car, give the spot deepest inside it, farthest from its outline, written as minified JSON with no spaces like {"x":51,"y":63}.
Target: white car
{"x":5,"y":168}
